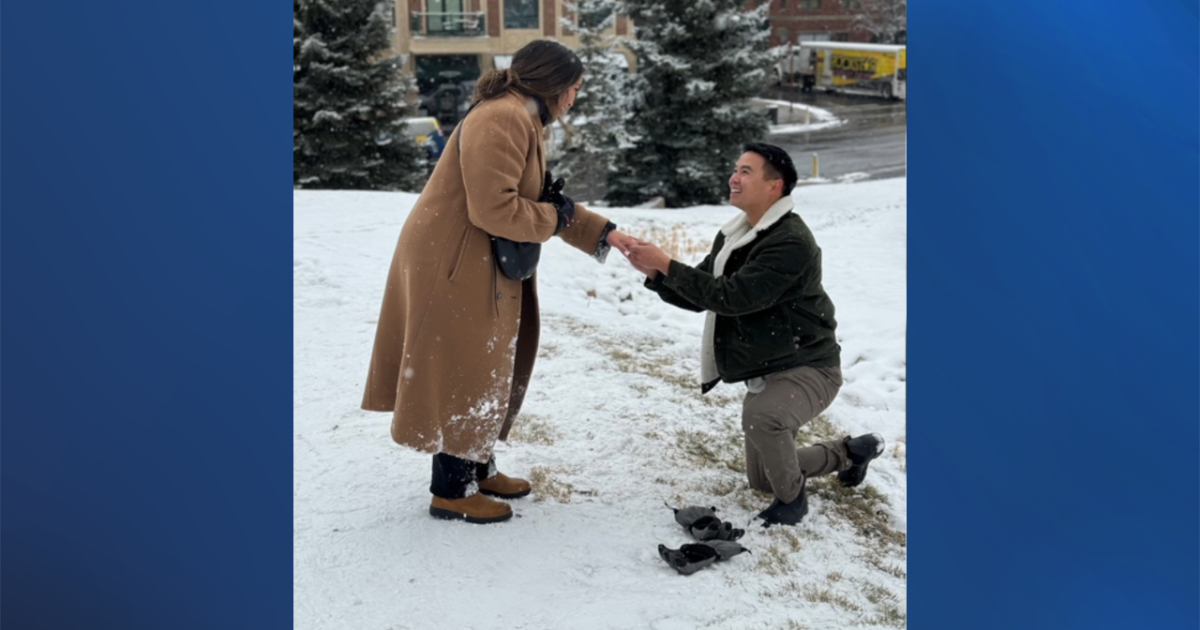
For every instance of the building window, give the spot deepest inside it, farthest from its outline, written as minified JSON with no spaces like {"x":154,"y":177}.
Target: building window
{"x":851,"y":4}
{"x":444,"y":16}
{"x":521,"y":13}
{"x":783,"y":4}
{"x":810,"y":4}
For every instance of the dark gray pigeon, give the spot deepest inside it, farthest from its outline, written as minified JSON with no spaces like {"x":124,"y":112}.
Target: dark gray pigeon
{"x":689,"y":559}
{"x":713,"y":528}
{"x":725,"y":549}
{"x":692,"y":557}
{"x":688,"y":515}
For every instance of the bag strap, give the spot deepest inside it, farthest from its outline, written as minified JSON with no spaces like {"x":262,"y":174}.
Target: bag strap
{"x":458,"y":131}
{"x":458,"y":138}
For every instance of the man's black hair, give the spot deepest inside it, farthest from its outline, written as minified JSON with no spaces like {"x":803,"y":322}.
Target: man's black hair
{"x":779,"y":164}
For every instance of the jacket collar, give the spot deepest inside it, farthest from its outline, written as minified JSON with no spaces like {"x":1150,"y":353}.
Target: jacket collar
{"x":776,"y":212}
{"x":537,"y":107}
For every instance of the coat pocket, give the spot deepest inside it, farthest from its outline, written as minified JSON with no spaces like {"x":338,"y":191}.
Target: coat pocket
{"x":459,"y":254}
{"x":767,"y":337}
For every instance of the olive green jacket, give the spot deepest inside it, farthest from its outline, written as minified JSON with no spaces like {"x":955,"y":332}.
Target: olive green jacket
{"x":771,"y":312}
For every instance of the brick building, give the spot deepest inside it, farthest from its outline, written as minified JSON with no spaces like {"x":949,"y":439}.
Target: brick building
{"x":814,"y":20}
{"x":451,"y":43}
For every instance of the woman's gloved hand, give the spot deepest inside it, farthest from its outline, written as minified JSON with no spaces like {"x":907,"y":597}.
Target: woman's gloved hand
{"x":552,"y":193}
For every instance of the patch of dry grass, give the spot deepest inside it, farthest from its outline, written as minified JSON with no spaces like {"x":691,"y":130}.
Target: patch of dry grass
{"x":773,"y":561}
{"x":864,"y":507}
{"x":676,"y":242}
{"x":724,"y":450}
{"x":877,"y":594}
{"x":547,"y":486}
{"x":884,"y":565}
{"x":533,"y":429}
{"x":712,"y":444}
{"x":819,"y":429}
{"x":793,"y":589}
{"x":661,"y":369}
{"x":836,"y":591}
{"x":826,"y":595}
{"x":791,"y":538}
{"x":887,"y":605}
{"x":889,"y":615}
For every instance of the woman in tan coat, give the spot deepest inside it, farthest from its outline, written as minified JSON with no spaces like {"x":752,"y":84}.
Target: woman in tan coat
{"x":457,"y":338}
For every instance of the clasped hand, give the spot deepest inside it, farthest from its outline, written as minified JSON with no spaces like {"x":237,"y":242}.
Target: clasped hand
{"x":646,"y":257}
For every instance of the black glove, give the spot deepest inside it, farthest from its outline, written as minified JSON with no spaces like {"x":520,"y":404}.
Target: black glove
{"x":552,"y":193}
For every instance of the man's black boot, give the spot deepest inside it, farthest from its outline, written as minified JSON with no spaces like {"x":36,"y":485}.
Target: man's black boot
{"x":780,"y":513}
{"x":862,"y":450}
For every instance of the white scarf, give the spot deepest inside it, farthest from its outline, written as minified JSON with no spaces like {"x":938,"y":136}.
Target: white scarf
{"x":738,"y":233}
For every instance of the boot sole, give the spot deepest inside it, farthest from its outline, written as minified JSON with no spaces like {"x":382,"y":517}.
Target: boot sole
{"x":513,"y":495}
{"x":451,"y":515}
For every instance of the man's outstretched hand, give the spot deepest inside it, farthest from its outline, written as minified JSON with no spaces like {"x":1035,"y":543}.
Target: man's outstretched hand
{"x":648,"y":258}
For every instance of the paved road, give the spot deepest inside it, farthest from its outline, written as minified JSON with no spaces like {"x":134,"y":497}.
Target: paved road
{"x":872,"y":141}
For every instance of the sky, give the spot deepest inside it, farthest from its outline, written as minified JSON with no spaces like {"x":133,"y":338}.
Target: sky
{"x":613,"y":429}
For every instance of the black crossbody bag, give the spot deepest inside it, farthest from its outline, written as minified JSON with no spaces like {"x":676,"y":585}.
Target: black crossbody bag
{"x":515,"y":259}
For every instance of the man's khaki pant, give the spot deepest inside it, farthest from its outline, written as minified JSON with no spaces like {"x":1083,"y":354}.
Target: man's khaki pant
{"x":771,"y":420}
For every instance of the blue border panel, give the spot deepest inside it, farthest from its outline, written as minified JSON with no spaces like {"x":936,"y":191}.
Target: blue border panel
{"x":145,"y":465}
{"x":1053,"y":333}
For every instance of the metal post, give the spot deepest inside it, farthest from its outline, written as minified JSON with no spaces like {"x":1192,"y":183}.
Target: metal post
{"x":791,"y":65}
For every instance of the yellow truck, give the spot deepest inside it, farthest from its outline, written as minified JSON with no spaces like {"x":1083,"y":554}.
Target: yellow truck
{"x":872,"y":69}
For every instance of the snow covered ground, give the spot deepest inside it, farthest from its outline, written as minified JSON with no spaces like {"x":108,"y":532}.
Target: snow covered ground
{"x":613,"y":427}
{"x":788,"y":111}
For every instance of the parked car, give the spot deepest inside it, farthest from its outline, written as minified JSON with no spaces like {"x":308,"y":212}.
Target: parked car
{"x":426,"y":132}
{"x":448,"y":102}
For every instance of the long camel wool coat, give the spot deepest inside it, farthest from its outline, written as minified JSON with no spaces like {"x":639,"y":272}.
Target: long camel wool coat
{"x":456,"y":339}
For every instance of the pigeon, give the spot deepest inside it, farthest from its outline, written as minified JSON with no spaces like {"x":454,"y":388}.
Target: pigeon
{"x":725,"y":549}
{"x":711,"y":527}
{"x":688,"y":515}
{"x":692,"y":557}
{"x":689,"y":559}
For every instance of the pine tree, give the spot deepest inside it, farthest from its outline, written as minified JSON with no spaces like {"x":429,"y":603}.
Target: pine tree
{"x":699,"y":63}
{"x":349,"y":99}
{"x":597,"y":122}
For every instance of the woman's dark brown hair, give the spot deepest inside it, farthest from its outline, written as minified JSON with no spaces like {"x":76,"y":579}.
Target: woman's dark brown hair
{"x":542,"y":68}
